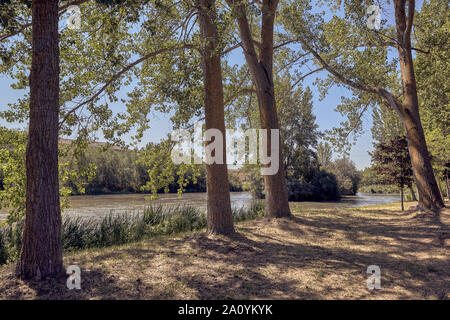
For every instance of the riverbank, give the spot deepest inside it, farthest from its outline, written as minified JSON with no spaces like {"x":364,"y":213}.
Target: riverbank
{"x":317,"y":254}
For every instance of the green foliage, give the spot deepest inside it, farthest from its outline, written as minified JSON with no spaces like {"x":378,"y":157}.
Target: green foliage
{"x":162,"y":172}
{"x":386,"y":124}
{"x":324,"y":154}
{"x":254,"y":181}
{"x":256,"y":210}
{"x":299,"y":130}
{"x":346,"y":174}
{"x":235,"y":182}
{"x":352,"y":50}
{"x":114,"y":170}
{"x":432,"y":31}
{"x":3,"y":252}
{"x":10,"y":242}
{"x":372,"y":182}
{"x":12,"y":168}
{"x":392,"y":162}
{"x":322,"y":186}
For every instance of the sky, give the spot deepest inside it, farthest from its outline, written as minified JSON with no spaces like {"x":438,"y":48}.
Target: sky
{"x":160,"y":125}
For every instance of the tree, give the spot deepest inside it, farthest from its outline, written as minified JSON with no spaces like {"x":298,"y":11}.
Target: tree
{"x":297,"y":125}
{"x":447,"y":178}
{"x":12,"y":172}
{"x":432,"y":31}
{"x":41,"y":252}
{"x":219,"y":218}
{"x":386,"y":124}
{"x":324,"y":154}
{"x":346,"y":174}
{"x":387,"y":127}
{"x":260,"y":66}
{"x":369,"y":74}
{"x":392,"y":162}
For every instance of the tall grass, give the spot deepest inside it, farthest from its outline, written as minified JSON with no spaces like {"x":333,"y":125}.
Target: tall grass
{"x":120,"y":228}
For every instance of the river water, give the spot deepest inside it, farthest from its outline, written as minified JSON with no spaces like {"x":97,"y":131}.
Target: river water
{"x":100,"y":205}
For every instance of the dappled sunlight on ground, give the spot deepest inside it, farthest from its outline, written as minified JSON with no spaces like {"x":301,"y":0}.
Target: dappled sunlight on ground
{"x":317,"y":254}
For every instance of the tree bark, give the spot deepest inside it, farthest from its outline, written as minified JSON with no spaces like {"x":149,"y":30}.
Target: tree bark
{"x":438,"y":181}
{"x":413,"y":194}
{"x":429,"y":195}
{"x":219,"y":215}
{"x":447,"y":184}
{"x":401,"y":198}
{"x":41,"y":252}
{"x":261,"y":66}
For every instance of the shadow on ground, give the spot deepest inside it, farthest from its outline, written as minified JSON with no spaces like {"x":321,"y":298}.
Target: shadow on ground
{"x":321,"y":254}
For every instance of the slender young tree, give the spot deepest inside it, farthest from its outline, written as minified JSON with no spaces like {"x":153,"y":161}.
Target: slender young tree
{"x":261,"y":69}
{"x":386,"y":127}
{"x":219,"y":218}
{"x":392,"y":162}
{"x":41,"y":252}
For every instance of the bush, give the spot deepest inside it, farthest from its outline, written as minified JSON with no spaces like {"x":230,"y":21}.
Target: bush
{"x":322,"y":187}
{"x":346,"y":174}
{"x":255,"y":210}
{"x":254,"y":181}
{"x":3,"y":249}
{"x":10,"y":242}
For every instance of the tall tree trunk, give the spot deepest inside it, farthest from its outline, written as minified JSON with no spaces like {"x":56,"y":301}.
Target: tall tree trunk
{"x":438,"y":181}
{"x":41,"y":252}
{"x":219,"y":218}
{"x":401,"y":198}
{"x":447,"y":184}
{"x":277,"y":204}
{"x":413,"y":194}
{"x":427,"y":188}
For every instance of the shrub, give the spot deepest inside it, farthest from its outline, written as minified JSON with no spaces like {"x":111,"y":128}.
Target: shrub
{"x":10,"y":242}
{"x":255,"y":210}
{"x":3,"y":249}
{"x":321,"y":187}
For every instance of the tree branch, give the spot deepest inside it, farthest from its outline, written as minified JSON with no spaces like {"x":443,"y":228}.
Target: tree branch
{"x":62,"y":9}
{"x":306,"y":75}
{"x":119,"y":74}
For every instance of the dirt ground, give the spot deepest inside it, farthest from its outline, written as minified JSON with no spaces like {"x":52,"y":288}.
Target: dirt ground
{"x":317,"y":254}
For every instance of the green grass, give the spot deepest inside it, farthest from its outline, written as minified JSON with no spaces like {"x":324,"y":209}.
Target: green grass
{"x":126,"y":227}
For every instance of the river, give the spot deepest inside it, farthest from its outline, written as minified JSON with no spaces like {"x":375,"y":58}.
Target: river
{"x":100,"y":205}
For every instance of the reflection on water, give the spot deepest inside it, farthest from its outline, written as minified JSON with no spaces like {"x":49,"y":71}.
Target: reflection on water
{"x":364,"y":199}
{"x":101,"y":205}
{"x":361,"y":199}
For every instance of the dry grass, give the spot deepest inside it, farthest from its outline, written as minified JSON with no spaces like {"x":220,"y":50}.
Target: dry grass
{"x":317,"y":254}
